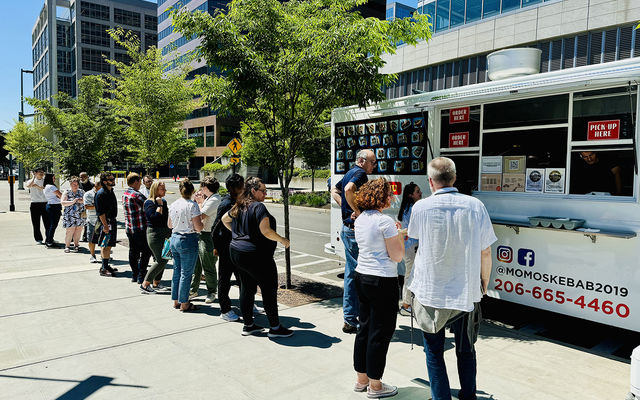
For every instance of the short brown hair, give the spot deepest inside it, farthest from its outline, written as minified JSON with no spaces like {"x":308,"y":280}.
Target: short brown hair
{"x":186,"y":188}
{"x":132,"y":178}
{"x":74,"y":179}
{"x":373,"y":195}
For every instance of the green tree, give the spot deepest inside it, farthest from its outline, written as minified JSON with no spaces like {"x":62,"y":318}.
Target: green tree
{"x":28,"y":143}
{"x":151,"y":103}
{"x":80,"y":126}
{"x":316,"y":152}
{"x":284,"y":64}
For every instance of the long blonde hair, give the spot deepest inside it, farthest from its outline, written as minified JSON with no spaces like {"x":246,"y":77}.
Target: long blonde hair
{"x":154,"y":188}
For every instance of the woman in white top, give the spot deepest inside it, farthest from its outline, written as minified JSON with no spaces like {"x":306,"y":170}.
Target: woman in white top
{"x":184,"y":219}
{"x":54,"y":208}
{"x":74,"y":216}
{"x":381,"y":247}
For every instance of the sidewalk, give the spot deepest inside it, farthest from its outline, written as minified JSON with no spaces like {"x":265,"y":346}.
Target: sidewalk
{"x":67,"y":333}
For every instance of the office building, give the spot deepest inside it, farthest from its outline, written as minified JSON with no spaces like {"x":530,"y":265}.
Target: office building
{"x":570,"y":33}
{"x":70,"y":40}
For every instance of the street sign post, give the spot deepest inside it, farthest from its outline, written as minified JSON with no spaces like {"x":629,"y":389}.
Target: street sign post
{"x":234,"y":160}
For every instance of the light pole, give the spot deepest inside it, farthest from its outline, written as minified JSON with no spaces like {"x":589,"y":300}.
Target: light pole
{"x":21,"y":118}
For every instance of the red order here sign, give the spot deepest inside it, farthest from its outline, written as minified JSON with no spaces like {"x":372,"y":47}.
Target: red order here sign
{"x":459,"y":115}
{"x":459,"y":139}
{"x":604,"y":130}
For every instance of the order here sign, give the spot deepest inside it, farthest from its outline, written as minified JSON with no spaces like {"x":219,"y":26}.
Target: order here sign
{"x":459,"y":139}
{"x":459,"y":115}
{"x":604,"y":130}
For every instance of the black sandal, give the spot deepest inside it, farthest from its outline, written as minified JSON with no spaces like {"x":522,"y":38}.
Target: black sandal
{"x":192,"y":307}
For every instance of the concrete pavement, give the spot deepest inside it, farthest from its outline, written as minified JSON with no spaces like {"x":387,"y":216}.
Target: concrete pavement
{"x":67,"y":333}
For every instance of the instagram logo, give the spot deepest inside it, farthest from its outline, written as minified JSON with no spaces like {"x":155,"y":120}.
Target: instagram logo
{"x":505,"y":254}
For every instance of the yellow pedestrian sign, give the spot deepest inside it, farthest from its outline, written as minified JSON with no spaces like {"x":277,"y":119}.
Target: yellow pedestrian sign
{"x":235,"y":146}
{"x":234,"y":160}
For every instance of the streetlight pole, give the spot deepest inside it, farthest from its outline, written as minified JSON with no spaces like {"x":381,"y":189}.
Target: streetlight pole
{"x":21,"y":118}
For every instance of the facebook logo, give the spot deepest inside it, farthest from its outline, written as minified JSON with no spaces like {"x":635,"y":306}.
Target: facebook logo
{"x":526,"y":257}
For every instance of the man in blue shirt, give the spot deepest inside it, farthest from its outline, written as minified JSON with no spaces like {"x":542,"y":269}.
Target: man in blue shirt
{"x":344,"y":194}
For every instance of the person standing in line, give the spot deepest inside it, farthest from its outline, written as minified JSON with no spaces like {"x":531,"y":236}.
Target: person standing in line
{"x":221,"y":242}
{"x":184,"y":219}
{"x":208,"y":199}
{"x":136,"y":228}
{"x":73,"y":219}
{"x":54,"y":208}
{"x":86,"y":185}
{"x":38,"y":206}
{"x":451,"y":273}
{"x":107,"y":226}
{"x":146,"y":185}
{"x":344,"y":194}
{"x":254,"y":240}
{"x":156,"y":211}
{"x":92,"y":219}
{"x":381,"y":247}
{"x":411,"y":193}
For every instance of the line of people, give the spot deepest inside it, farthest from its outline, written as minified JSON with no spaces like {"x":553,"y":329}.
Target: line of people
{"x":200,"y":229}
{"x":442,"y":242}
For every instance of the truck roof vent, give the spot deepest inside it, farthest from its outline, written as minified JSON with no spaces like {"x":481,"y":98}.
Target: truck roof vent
{"x":509,"y":63}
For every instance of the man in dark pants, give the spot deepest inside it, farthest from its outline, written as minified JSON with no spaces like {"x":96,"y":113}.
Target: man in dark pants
{"x":344,"y":194}
{"x":221,"y":242}
{"x":38,"y":206}
{"x":107,"y":226}
{"x":136,"y":227}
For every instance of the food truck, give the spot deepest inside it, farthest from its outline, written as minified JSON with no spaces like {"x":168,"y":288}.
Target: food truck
{"x":553,"y":157}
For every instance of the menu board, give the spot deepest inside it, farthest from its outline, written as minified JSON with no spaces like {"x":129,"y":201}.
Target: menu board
{"x":399,"y":144}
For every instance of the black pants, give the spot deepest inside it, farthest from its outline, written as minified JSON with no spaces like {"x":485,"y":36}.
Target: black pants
{"x":257,"y":269}
{"x":225,"y":269}
{"x":54,"y":211}
{"x":39,"y":211}
{"x":139,"y":255}
{"x":378,"y":298}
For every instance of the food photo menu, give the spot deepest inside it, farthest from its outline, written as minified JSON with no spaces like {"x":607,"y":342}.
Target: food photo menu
{"x":399,"y":144}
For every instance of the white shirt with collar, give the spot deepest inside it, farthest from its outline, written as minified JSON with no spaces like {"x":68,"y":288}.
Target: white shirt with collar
{"x":144,"y":191}
{"x":452,"y":230}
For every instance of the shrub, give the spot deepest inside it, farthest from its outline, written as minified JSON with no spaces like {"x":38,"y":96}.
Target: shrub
{"x":215,"y":167}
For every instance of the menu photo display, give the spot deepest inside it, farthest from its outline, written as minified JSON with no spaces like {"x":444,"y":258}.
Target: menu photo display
{"x":399,"y":144}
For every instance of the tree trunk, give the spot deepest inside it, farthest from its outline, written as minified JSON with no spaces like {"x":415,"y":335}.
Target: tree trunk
{"x":284,"y":186}
{"x":313,"y":179}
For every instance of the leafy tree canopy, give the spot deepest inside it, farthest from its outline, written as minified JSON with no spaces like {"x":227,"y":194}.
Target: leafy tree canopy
{"x":28,"y":143}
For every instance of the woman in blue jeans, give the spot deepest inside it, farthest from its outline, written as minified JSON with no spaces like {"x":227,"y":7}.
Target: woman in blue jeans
{"x":184,"y":219}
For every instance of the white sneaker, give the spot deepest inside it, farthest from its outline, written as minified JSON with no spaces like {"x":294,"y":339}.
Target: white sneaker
{"x":210,"y":298}
{"x":257,"y":309}
{"x":230,"y":316}
{"x":93,"y":260}
{"x":193,"y":295}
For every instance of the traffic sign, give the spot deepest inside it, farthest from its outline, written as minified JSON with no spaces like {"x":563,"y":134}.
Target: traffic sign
{"x":235,"y":146}
{"x":234,"y":160}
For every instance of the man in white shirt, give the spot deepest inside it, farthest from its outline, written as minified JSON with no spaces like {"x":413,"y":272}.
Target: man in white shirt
{"x":146,"y":185}
{"x":208,"y":199}
{"x":450,"y":275}
{"x":38,"y":206}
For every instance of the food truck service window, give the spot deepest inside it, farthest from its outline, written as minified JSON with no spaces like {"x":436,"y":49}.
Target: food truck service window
{"x":603,"y":128}
{"x":460,"y":141}
{"x":399,"y":144}
{"x":524,"y":145}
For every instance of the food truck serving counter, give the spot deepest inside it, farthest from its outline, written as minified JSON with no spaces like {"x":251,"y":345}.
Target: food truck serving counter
{"x":552,"y":156}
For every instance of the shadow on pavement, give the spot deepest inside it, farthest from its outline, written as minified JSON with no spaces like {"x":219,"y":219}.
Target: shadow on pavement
{"x":83,"y":389}
{"x":307,"y":338}
{"x":480,"y":395}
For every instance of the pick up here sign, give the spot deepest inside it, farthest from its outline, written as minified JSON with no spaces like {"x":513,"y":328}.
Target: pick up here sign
{"x":604,"y":130}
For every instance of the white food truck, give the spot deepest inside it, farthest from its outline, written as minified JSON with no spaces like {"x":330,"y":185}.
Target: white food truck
{"x":553,"y":157}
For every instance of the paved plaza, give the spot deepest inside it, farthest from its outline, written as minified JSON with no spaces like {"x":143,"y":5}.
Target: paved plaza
{"x":67,"y":333}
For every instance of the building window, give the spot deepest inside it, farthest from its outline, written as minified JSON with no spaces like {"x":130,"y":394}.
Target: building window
{"x":94,"y":34}
{"x":65,"y":64}
{"x":94,"y":60}
{"x":63,"y":35}
{"x":67,"y":84}
{"x":442,"y":15}
{"x":474,"y":10}
{"x":151,"y":22}
{"x":95,"y":11}
{"x":126,"y":17}
{"x":508,"y":5}
{"x":197,"y":134}
{"x":165,"y":32}
{"x":210,"y":136}
{"x":457,"y":12}
{"x":491,"y":7}
{"x":150,"y":39}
